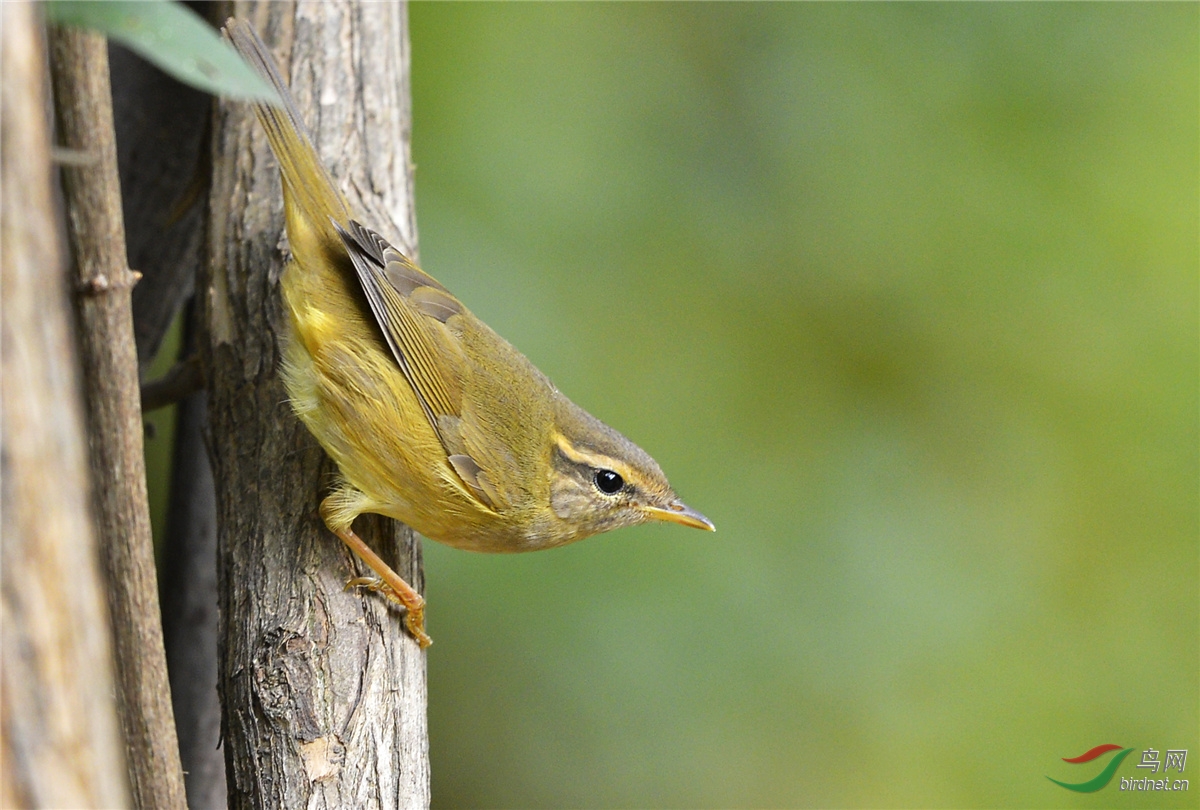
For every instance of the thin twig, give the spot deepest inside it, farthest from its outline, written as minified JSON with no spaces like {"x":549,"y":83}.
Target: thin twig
{"x":79,"y":67}
{"x":182,"y":379}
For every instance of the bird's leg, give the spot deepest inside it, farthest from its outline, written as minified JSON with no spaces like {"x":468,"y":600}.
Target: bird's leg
{"x":386,"y":581}
{"x":390,"y":584}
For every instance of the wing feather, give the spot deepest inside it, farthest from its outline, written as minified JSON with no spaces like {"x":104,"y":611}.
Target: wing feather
{"x":412,"y":310}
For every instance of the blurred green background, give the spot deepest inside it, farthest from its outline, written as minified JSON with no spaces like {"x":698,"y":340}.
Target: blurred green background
{"x":904,"y":298}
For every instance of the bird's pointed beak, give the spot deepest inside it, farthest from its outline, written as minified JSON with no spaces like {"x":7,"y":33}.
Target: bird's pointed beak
{"x":679,"y":512}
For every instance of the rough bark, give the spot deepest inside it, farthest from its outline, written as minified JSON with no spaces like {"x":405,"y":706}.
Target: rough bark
{"x":323,"y":691}
{"x":59,"y":740}
{"x":83,"y":102}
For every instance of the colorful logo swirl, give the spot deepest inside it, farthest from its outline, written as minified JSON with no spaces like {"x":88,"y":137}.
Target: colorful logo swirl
{"x":1102,"y":778}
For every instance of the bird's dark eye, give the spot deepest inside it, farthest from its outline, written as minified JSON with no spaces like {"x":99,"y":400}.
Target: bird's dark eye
{"x":608,"y":482}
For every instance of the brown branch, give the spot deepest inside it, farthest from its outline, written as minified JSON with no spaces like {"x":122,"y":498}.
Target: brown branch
{"x":79,"y":67}
{"x":59,"y":738}
{"x":162,"y":152}
{"x":323,"y":692}
{"x":181,"y":380}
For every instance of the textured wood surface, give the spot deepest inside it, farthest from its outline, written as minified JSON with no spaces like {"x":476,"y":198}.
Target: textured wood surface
{"x":60,"y":742}
{"x":324,"y":693}
{"x":163,"y":154}
{"x":103,"y":284}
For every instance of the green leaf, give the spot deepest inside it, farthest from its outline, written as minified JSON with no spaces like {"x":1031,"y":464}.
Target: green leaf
{"x":173,"y":38}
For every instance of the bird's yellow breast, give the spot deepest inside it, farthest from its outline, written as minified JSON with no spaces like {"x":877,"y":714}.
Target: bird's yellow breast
{"x":352,"y":396}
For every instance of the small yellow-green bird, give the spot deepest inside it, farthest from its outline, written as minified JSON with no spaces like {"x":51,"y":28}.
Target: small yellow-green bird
{"x":432,"y":418}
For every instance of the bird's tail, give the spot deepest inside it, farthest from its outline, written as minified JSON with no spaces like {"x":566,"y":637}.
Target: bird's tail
{"x":309,"y":191}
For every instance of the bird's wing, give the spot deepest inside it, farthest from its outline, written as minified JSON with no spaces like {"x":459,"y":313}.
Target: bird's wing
{"x":413,"y":311}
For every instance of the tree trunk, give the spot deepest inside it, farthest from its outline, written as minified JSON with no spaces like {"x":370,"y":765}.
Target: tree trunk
{"x":323,"y":691}
{"x":59,"y":743}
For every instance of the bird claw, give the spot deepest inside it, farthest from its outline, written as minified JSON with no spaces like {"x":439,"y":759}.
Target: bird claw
{"x":373,"y":584}
{"x":414,"y":613}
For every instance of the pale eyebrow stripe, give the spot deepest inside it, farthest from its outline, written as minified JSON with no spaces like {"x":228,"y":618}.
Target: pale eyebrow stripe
{"x":578,"y":456}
